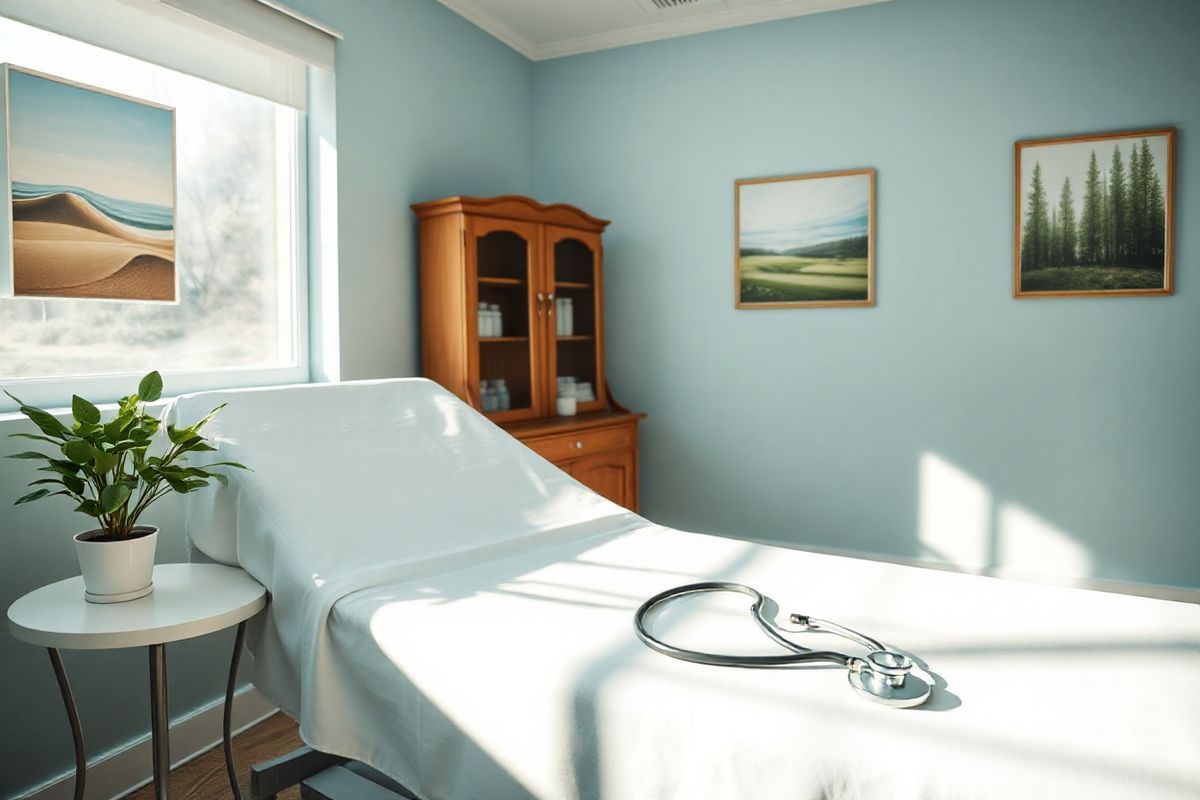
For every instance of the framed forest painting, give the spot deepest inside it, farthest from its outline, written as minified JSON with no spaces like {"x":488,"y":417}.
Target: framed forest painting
{"x":1094,"y":215}
{"x":805,"y":241}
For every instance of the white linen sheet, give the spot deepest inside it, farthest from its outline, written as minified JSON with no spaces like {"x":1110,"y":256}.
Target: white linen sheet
{"x":454,"y":611}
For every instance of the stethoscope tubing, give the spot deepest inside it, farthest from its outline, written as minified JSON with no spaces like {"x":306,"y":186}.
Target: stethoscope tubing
{"x":798,"y":654}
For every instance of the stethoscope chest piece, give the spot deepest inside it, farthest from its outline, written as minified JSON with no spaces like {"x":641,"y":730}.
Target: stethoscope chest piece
{"x":885,"y":677}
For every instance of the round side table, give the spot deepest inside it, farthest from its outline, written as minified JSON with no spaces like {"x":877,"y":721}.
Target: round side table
{"x":188,"y":600}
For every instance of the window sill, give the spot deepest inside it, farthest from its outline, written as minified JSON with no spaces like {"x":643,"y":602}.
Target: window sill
{"x":54,"y":394}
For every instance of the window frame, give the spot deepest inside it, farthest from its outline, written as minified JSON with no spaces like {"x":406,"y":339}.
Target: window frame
{"x":101,"y":388}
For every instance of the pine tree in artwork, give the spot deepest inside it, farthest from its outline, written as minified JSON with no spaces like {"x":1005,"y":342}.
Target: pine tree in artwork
{"x":1091,"y":219}
{"x":1066,"y":225}
{"x":1054,"y":258}
{"x":1136,"y":212}
{"x":1156,"y":213}
{"x":1105,"y":219}
{"x":1035,"y":247}
{"x":1118,"y":235}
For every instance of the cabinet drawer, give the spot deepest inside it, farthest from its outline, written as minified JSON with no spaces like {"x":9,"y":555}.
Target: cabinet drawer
{"x":565,"y":447}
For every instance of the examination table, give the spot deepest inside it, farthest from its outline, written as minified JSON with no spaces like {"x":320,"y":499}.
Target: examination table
{"x":455,"y":612}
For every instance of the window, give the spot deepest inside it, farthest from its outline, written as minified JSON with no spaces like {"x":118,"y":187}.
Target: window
{"x":241,"y":315}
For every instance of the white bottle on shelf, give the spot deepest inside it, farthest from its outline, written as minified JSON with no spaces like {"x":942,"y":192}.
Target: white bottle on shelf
{"x":483,"y":321}
{"x":568,"y":317}
{"x":503,"y":400}
{"x":497,"y":327}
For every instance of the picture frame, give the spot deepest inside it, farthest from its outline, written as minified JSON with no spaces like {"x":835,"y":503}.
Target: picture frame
{"x":75,"y":226}
{"x":805,"y":241}
{"x":1071,"y":238}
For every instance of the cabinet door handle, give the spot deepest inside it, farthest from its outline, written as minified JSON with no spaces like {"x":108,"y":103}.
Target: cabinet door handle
{"x":550,"y":304}
{"x":540,"y":300}
{"x":578,"y":444}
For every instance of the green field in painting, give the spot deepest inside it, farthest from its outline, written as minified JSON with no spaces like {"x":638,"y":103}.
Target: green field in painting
{"x":793,"y":279}
{"x":1083,"y":279}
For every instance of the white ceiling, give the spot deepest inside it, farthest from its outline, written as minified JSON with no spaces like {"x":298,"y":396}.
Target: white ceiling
{"x":541,"y":29}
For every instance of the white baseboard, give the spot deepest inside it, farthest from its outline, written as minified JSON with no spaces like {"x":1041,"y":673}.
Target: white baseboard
{"x":127,"y":768}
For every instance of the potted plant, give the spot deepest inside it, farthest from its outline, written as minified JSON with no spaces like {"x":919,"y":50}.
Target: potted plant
{"x":106,"y":468}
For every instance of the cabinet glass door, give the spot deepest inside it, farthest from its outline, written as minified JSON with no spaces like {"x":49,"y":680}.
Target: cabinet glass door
{"x":575,"y":357}
{"x":505,"y":334}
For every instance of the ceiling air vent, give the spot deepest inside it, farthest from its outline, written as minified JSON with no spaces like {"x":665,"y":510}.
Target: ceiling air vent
{"x":661,"y":6}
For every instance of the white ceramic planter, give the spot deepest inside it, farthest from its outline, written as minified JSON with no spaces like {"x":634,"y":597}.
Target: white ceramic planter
{"x":114,"y":572}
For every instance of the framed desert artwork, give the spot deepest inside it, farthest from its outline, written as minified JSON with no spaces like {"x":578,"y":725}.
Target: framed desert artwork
{"x":1093,"y":215}
{"x":805,"y":240}
{"x":91,"y":181}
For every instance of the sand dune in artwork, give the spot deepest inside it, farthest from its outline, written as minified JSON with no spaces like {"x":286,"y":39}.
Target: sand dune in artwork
{"x":62,"y":245}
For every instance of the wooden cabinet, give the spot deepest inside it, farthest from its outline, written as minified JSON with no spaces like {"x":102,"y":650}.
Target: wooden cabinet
{"x":600,"y":450}
{"x":520,"y":258}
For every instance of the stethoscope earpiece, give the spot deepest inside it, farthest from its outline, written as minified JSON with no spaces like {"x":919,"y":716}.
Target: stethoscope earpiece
{"x":883,"y":677}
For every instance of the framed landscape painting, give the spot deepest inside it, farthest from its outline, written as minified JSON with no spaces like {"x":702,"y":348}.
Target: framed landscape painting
{"x":91,"y":180}
{"x":805,"y":240}
{"x":1093,"y":215}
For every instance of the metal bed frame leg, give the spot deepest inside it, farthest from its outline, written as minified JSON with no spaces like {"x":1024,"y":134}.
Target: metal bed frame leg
{"x":226,"y":730}
{"x":64,"y":686}
{"x":160,"y":730}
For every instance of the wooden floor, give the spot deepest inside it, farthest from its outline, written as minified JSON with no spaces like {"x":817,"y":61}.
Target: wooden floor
{"x":205,"y":778}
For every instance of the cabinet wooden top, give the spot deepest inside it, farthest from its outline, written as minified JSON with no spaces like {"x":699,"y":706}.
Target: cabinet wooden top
{"x":512,"y":206}
{"x":551,"y":425}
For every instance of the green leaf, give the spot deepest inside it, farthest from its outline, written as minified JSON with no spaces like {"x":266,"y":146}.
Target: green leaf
{"x":34,"y":495}
{"x":233,"y":464}
{"x":199,"y":446}
{"x":150,"y":389}
{"x":181,"y":435}
{"x":45,"y":481}
{"x":74,"y":483}
{"x":83,"y":411}
{"x":114,"y":496}
{"x":117,"y":426}
{"x":208,"y":417}
{"x":61,"y":467}
{"x":45,"y":421}
{"x":36,"y":438}
{"x":79,"y":452}
{"x":30,"y":454}
{"x":104,"y":462}
{"x":89,"y":507}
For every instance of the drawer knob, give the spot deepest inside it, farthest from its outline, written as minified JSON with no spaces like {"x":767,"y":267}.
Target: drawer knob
{"x":578,"y":445}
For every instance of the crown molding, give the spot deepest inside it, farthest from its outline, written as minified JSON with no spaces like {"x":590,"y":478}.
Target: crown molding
{"x":470,"y":11}
{"x":654,"y":31}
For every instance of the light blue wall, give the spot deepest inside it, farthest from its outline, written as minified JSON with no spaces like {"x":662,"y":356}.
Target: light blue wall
{"x":950,"y":422}
{"x":1074,"y":421}
{"x":427,"y":105}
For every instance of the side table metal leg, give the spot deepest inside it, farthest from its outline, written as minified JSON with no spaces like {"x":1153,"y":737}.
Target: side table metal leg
{"x":160,"y":732}
{"x":64,"y":686}
{"x":228,"y":724}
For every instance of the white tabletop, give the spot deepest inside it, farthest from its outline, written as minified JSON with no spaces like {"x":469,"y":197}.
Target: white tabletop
{"x":188,"y":600}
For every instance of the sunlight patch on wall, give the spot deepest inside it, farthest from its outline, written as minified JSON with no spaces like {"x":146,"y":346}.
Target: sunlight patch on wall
{"x":1027,"y":543}
{"x":954,"y":523}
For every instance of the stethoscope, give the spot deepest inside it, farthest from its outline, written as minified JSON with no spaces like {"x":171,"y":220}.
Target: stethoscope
{"x":883,"y":676}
